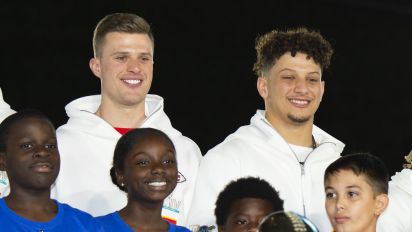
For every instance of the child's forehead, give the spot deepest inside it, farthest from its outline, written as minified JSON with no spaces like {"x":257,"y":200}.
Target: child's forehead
{"x":149,"y":144}
{"x":34,"y":121}
{"x":143,"y":140}
{"x":150,"y":139}
{"x":26,"y":124}
{"x":348,"y":176}
{"x":251,"y":204}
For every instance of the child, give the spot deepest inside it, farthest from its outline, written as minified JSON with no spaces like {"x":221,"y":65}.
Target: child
{"x":243,"y":203}
{"x":356,"y":188}
{"x":29,"y":155}
{"x":144,"y":166}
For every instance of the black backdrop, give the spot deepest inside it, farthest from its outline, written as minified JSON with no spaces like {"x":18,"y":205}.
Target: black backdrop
{"x":203,"y":63}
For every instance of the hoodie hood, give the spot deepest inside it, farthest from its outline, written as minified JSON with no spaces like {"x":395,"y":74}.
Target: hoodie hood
{"x":5,"y":109}
{"x":85,"y":108}
{"x":269,"y":133}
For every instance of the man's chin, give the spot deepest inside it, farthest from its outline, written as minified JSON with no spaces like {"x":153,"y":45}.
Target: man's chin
{"x":298,"y":119}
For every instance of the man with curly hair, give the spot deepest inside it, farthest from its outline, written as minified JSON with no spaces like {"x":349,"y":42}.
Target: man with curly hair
{"x":281,"y":144}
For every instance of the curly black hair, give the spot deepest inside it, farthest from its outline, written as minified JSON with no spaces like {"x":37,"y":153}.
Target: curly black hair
{"x":272,"y":45}
{"x":248,"y":187}
{"x":126,"y":144}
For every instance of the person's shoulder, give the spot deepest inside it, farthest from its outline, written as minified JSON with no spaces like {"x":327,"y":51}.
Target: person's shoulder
{"x":76,"y":218}
{"x":106,"y":216}
{"x":183,"y":140}
{"x":185,"y":146}
{"x":176,"y":228}
{"x":401,"y":184}
{"x":237,"y":141}
{"x":74,"y":211}
{"x":323,"y":137}
{"x":112,"y":222}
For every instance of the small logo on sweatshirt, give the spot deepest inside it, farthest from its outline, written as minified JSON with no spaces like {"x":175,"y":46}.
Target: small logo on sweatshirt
{"x":180,"y":178}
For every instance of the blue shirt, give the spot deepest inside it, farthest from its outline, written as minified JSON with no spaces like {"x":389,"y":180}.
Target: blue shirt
{"x":113,"y":222}
{"x":67,"y":219}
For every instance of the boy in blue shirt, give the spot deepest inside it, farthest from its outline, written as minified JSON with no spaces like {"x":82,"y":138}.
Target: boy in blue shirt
{"x":29,"y":155}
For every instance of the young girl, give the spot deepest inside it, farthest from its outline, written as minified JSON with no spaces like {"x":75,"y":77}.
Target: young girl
{"x":144,"y":166}
{"x":29,"y":155}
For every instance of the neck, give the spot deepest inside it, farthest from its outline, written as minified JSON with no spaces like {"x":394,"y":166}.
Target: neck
{"x":120,"y":115}
{"x":294,"y":133}
{"x":34,"y":205}
{"x":143,"y":216}
{"x":28,"y":198}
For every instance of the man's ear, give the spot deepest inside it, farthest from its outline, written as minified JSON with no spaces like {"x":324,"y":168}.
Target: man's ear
{"x":3,"y":162}
{"x":322,"y":89}
{"x":382,"y":201}
{"x":94,"y":65}
{"x":262,"y":86}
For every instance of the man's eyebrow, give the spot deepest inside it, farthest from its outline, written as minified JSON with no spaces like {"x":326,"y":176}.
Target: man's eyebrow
{"x":287,"y":69}
{"x":127,"y":53}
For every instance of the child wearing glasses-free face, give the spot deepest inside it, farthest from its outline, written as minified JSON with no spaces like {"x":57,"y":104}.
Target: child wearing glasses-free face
{"x":356,"y":188}
{"x":244,"y":203}
{"x":145,"y":167}
{"x":29,"y":155}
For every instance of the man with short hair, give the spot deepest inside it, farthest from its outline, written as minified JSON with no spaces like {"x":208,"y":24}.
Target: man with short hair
{"x":281,"y":145}
{"x":123,"y":61}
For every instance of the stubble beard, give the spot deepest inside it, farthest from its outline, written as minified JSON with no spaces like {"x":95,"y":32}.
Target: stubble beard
{"x":298,"y":120}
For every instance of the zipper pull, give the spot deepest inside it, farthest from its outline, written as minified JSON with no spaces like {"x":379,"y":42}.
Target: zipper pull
{"x":302,"y":168}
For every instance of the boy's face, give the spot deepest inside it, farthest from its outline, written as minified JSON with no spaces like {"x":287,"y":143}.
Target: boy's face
{"x":246,"y":214}
{"x":32,"y":159}
{"x":351,"y":204}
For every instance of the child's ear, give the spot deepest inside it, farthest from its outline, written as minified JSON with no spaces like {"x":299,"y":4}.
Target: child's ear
{"x":119,"y":177}
{"x":382,"y":201}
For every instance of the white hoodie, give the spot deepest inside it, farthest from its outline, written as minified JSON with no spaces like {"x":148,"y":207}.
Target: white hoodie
{"x":258,"y":150}
{"x":398,"y":216}
{"x":5,"y":111}
{"x":86,"y":144}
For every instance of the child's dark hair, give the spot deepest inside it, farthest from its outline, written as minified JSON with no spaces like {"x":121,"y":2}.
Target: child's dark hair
{"x":11,"y":120}
{"x":272,"y":45}
{"x":126,"y":144}
{"x":370,"y":166}
{"x":249,"y":187}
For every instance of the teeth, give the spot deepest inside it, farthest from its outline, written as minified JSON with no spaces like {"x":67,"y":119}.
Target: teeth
{"x":299,"y":102}
{"x":157,"y":183}
{"x":132,"y":82}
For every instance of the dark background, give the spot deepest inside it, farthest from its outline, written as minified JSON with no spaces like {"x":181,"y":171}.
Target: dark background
{"x":204,"y":55}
